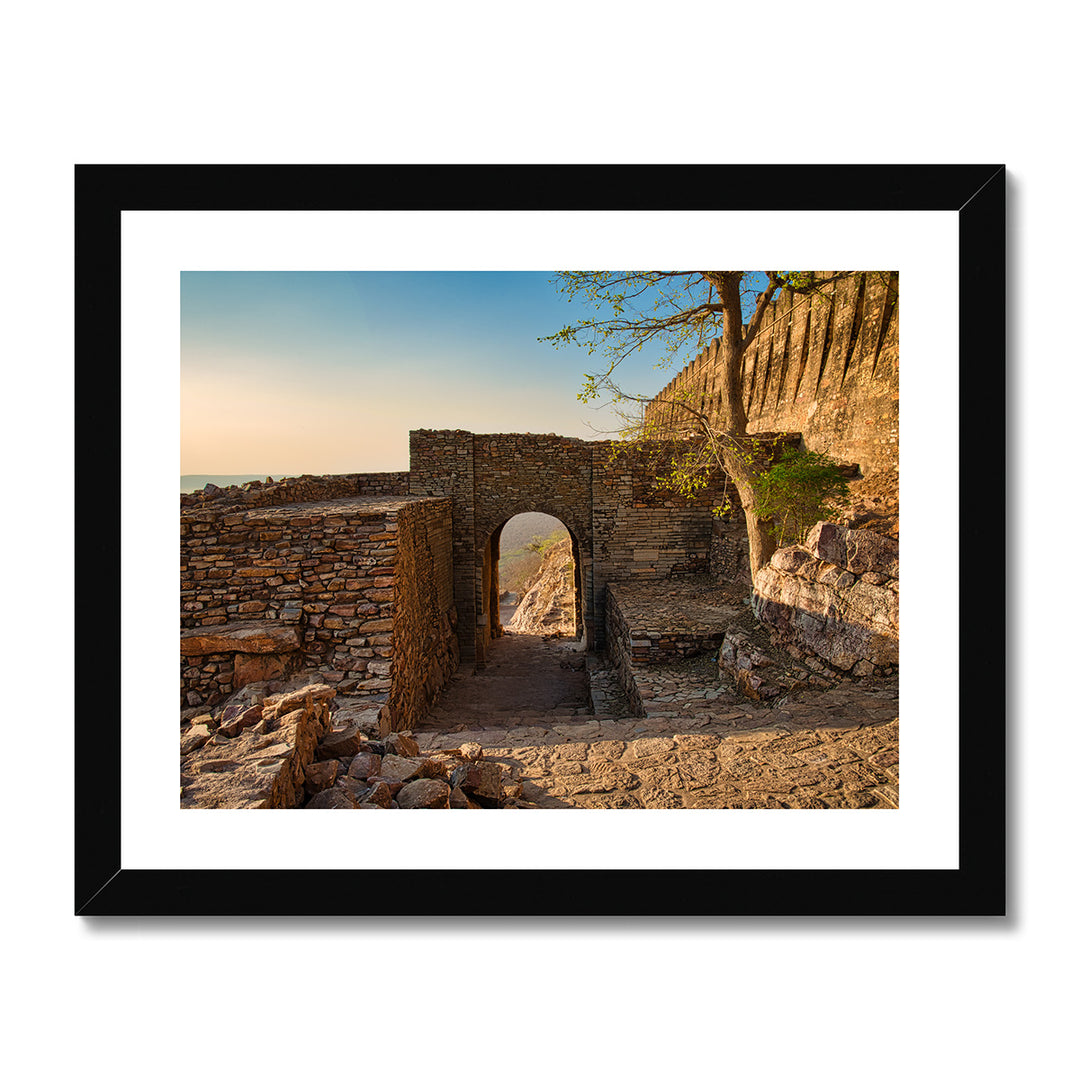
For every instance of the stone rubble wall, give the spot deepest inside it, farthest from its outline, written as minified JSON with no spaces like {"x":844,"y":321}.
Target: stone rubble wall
{"x":333,"y":570}
{"x":729,"y":549}
{"x":838,"y":596}
{"x":298,"y":489}
{"x":825,"y":365}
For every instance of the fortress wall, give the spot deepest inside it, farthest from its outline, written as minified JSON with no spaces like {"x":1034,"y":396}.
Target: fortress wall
{"x":825,"y":365}
{"x":313,"y":585}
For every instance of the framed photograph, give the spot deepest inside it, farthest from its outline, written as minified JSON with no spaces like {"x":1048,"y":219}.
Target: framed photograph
{"x":151,"y":244}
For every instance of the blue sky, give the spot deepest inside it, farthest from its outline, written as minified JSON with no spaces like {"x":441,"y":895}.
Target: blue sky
{"x":328,"y":372}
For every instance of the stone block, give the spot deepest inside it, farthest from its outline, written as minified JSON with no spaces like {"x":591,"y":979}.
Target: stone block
{"x":240,"y":638}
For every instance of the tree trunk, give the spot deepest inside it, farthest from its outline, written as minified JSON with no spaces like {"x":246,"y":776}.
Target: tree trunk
{"x":740,"y":460}
{"x":739,"y":464}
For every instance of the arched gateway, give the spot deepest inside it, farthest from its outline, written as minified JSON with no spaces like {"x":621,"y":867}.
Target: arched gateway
{"x":621,"y":528}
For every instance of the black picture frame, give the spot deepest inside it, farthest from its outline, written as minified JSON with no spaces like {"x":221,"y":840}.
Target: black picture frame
{"x":975,"y":193}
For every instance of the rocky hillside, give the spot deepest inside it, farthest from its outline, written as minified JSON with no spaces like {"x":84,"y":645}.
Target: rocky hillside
{"x":547,"y":603}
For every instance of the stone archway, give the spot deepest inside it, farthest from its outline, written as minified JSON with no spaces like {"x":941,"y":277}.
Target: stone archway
{"x":490,"y":478}
{"x":492,"y":586}
{"x":623,"y":529}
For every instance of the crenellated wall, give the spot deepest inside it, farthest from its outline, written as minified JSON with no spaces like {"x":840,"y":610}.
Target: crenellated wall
{"x":825,"y":365}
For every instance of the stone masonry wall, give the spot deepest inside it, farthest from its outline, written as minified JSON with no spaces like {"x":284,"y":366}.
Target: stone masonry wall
{"x":425,"y":647}
{"x":311,"y":585}
{"x":620,"y":649}
{"x":641,"y":533}
{"x":623,"y":528}
{"x":441,"y":464}
{"x":826,"y":365}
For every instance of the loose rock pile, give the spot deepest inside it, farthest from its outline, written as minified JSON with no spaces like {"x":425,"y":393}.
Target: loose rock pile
{"x":392,"y":774}
{"x":254,"y":752}
{"x":292,"y":749}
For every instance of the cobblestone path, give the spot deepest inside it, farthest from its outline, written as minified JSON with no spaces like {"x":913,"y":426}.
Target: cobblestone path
{"x":838,"y":748}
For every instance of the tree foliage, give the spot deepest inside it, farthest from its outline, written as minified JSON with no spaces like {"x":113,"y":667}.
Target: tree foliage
{"x":677,"y":313}
{"x":800,"y":489}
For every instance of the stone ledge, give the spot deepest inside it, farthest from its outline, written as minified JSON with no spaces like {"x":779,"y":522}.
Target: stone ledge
{"x":249,"y":637}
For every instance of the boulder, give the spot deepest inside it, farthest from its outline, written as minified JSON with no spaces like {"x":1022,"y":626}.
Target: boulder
{"x":790,"y":559}
{"x":441,"y":765}
{"x":279,"y":704}
{"x":320,"y":775}
{"x":424,"y":794}
{"x":399,"y":770}
{"x":194,"y":738}
{"x":364,"y":765}
{"x":843,"y":625}
{"x":380,"y":795}
{"x":401,"y":743}
{"x":356,"y":790}
{"x":236,"y":717}
{"x":460,"y":801}
{"x":330,"y":799}
{"x":856,"y":550}
{"x":482,"y":778}
{"x":341,"y":742}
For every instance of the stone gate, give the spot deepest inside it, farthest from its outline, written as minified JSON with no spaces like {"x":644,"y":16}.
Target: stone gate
{"x":621,"y":526}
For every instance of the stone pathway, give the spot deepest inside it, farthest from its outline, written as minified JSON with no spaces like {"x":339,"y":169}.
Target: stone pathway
{"x":527,"y":709}
{"x":526,"y":679}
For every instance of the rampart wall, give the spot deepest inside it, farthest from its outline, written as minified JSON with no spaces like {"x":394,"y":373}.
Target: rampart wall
{"x":825,"y":365}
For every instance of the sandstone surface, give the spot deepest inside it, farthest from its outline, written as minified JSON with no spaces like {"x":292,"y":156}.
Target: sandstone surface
{"x":250,"y":637}
{"x":837,"y":596}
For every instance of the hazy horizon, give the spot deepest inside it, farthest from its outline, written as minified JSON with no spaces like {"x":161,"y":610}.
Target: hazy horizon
{"x":327,"y":372}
